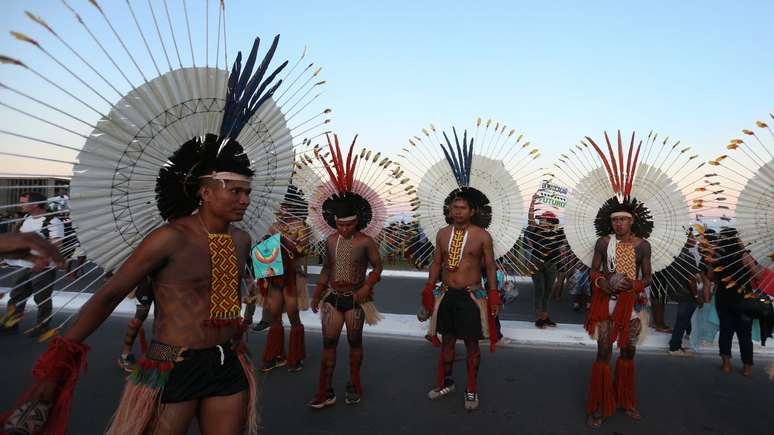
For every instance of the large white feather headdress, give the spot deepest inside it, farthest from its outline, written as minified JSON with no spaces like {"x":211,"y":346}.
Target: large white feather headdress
{"x":491,"y":162}
{"x":111,"y":109}
{"x":739,"y":192}
{"x":650,"y":175}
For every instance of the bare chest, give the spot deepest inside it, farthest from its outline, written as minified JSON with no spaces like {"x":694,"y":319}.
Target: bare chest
{"x":460,"y":246}
{"x":192,"y":263}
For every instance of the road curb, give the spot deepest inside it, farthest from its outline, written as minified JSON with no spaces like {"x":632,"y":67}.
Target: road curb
{"x":520,"y":333}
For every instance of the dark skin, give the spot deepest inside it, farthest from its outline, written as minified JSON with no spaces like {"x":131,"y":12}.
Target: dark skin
{"x":622,"y":227}
{"x":296,"y":247}
{"x":478,"y":250}
{"x":176,"y":256}
{"x":31,"y":247}
{"x":365,"y":252}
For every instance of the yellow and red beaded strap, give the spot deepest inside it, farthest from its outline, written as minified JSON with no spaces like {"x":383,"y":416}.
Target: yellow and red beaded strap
{"x":626,"y":260}
{"x":224,"y":278}
{"x":457,"y":243}
{"x":342,"y":271}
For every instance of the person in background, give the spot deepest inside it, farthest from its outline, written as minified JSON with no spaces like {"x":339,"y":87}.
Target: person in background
{"x":728,"y":297}
{"x":581,"y":288}
{"x":682,"y":274}
{"x":30,"y":247}
{"x":30,"y":283}
{"x":545,"y":240}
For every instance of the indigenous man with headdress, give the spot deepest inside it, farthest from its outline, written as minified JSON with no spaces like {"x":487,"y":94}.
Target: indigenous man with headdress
{"x":626,"y":218}
{"x":621,"y":270}
{"x":463,"y":310}
{"x":344,"y":291}
{"x":463,"y":256}
{"x":196,"y":365}
{"x":288,"y":290}
{"x":470,"y":208}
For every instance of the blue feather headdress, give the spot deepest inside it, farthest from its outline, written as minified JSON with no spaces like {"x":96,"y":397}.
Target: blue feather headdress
{"x":459,"y":158}
{"x":245,"y":92}
{"x":177,"y":183}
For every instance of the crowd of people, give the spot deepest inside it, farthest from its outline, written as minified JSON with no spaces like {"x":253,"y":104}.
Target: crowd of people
{"x":197,"y":264}
{"x":706,"y":303}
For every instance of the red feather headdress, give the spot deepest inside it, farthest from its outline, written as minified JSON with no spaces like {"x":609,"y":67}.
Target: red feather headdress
{"x":621,"y":178}
{"x":341,"y":175}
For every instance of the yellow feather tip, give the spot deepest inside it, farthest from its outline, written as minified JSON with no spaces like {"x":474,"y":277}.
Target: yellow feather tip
{"x":47,"y":335}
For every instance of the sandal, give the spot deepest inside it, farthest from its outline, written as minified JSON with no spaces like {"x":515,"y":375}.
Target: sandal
{"x":594,"y":421}
{"x":634,"y":414}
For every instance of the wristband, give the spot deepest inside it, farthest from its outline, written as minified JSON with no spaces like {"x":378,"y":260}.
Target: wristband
{"x":596,"y":277}
{"x":493,"y":297}
{"x":373,"y":278}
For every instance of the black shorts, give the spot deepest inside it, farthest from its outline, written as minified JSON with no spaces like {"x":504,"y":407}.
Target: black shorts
{"x":459,"y":316}
{"x":144,"y":294}
{"x":341,"y":303}
{"x":201,"y":374}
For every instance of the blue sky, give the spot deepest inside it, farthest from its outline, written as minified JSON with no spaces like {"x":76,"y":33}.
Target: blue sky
{"x":557,"y":71}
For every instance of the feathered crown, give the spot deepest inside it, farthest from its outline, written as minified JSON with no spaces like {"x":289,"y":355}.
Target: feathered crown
{"x":246,"y":90}
{"x":342,"y":176}
{"x":490,"y":165}
{"x":621,"y":178}
{"x":460,"y":159}
{"x":177,"y":182}
{"x":362,"y":185}
{"x":344,"y":203}
{"x":646,"y":178}
{"x":738,"y":193}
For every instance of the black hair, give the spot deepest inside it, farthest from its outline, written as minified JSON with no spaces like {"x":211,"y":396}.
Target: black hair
{"x":177,"y":185}
{"x":475,"y":200}
{"x":344,"y":205}
{"x":35,"y":197}
{"x":642,"y":224}
{"x":729,"y":258}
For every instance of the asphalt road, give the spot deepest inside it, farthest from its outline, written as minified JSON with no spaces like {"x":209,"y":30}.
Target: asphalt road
{"x":399,"y":295}
{"x":523,"y":390}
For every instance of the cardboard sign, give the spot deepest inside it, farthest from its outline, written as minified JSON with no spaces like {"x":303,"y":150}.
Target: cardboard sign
{"x":552,"y":194}
{"x":267,"y":258}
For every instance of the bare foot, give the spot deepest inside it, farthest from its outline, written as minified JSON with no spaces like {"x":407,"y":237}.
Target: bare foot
{"x":594,"y":421}
{"x":634,"y":414}
{"x":747,"y":370}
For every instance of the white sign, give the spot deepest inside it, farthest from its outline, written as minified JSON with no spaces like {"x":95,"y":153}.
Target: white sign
{"x":552,"y":194}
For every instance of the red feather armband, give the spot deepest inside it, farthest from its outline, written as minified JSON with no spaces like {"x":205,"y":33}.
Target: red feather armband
{"x":373,"y":278}
{"x":493,"y":297}
{"x":638,"y":286}
{"x":60,"y":364}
